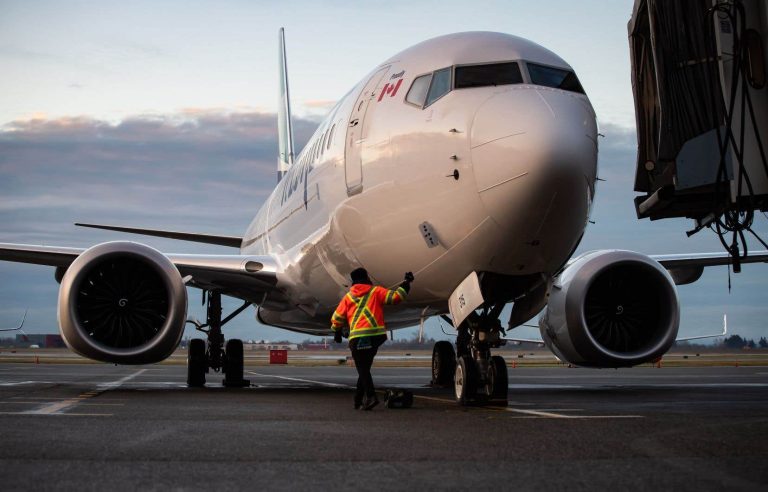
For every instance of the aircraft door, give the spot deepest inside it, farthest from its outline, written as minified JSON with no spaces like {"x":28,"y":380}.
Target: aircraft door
{"x":353,"y":165}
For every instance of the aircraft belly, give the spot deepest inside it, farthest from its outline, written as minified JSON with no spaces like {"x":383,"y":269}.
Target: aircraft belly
{"x":395,"y":317}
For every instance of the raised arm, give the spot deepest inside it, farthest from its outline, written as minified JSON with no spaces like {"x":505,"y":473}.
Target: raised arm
{"x":399,"y":294}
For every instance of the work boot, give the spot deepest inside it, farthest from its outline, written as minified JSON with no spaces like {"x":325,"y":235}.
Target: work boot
{"x":371,"y":402}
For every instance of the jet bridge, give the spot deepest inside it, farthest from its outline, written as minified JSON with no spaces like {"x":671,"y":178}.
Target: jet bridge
{"x":701,"y":101}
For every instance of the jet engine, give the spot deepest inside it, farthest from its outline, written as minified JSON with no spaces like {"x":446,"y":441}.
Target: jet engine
{"x":122,"y":302}
{"x":611,"y":309}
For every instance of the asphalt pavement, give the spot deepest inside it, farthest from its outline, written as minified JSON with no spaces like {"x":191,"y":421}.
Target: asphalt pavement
{"x":103,"y":427}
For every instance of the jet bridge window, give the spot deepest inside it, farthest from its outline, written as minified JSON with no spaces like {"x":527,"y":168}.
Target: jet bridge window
{"x":554,"y":77}
{"x":488,"y":74}
{"x":418,"y":91}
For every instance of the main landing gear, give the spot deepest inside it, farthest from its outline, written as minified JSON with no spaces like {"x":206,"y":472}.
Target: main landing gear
{"x":476,"y":376}
{"x":212,"y":353}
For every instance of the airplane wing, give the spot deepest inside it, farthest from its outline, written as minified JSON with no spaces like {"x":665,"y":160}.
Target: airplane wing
{"x":243,"y":276}
{"x":687,"y":268}
{"x":21,"y":325}
{"x":231,"y":241}
{"x":518,"y":341}
{"x":715,"y":335}
{"x":707,"y":259}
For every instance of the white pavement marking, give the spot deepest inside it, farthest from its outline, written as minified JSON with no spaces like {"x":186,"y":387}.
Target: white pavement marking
{"x":561,"y":409}
{"x":58,"y":408}
{"x":55,"y":408}
{"x":552,"y":415}
{"x":538,"y":413}
{"x":121,"y":381}
{"x":69,"y":414}
{"x":52,"y":398}
{"x":544,"y":386}
{"x":24,"y":402}
{"x":300,"y":380}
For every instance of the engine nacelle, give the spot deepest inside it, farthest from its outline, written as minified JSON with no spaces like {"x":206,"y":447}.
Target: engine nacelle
{"x":611,"y":309}
{"x":122,"y":302}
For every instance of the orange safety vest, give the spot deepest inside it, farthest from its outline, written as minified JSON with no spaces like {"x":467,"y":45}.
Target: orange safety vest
{"x":362,"y":309}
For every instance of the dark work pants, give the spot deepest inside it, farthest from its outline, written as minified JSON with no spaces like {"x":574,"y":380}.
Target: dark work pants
{"x":363,"y":357}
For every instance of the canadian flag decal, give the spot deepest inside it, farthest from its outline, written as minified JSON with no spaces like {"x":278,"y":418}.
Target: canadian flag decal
{"x":390,"y":89}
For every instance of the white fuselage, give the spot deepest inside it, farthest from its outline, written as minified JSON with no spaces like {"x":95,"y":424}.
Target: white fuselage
{"x":378,"y":167}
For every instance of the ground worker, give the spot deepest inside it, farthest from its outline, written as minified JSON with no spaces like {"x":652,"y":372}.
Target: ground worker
{"x":362,"y":310}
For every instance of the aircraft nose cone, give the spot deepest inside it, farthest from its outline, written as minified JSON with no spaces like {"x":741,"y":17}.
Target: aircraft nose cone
{"x":529,"y":144}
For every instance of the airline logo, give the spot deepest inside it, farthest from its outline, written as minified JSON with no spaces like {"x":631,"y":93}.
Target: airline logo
{"x":390,"y":88}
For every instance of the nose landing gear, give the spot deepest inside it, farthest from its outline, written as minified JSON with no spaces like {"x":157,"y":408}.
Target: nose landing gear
{"x":478,"y":377}
{"x":211,"y":353}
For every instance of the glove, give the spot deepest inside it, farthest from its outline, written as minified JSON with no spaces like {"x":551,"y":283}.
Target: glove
{"x":337,"y":336}
{"x":406,"y":285}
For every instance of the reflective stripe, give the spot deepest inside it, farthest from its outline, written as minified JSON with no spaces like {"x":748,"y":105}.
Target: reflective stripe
{"x":388,"y":299}
{"x":339,"y":317}
{"x":369,"y":316}
{"x":359,"y":311}
{"x":368,"y":332}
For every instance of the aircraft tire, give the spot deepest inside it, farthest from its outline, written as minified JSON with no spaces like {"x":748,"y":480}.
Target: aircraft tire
{"x":196,"y":363}
{"x":465,"y":380}
{"x":498,"y":380}
{"x":233,"y":371}
{"x":443,"y":364}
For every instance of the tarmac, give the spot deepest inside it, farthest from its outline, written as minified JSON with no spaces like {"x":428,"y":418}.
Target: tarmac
{"x":97,"y":426}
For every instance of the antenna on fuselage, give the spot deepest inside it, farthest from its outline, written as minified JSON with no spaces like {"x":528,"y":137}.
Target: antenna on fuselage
{"x":284,"y":126}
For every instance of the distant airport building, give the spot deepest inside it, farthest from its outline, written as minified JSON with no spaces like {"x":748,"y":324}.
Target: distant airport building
{"x":42,"y":341}
{"x":316,"y":346}
{"x":270,"y":346}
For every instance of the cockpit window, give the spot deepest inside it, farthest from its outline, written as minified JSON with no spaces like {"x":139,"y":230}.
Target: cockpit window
{"x":554,"y":77}
{"x":488,"y":74}
{"x":418,"y":91}
{"x":441,"y":85}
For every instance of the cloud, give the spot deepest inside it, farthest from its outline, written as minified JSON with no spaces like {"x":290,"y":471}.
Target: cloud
{"x":191,"y":167}
{"x":319,"y":104}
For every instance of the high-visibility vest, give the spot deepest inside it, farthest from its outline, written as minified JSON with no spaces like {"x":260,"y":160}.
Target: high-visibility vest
{"x":362,"y":309}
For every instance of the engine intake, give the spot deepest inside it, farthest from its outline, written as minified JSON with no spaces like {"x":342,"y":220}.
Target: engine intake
{"x":611,"y":309}
{"x":122,"y":302}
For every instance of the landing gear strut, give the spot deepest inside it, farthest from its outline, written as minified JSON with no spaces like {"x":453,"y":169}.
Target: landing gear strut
{"x":212,"y":353}
{"x":478,"y":376}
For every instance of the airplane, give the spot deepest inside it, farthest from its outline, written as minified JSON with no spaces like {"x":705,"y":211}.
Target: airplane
{"x":714,"y":335}
{"x":469,"y":159}
{"x":21,"y":324}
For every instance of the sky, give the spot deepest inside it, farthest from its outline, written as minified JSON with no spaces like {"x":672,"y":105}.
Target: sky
{"x":162,"y":114}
